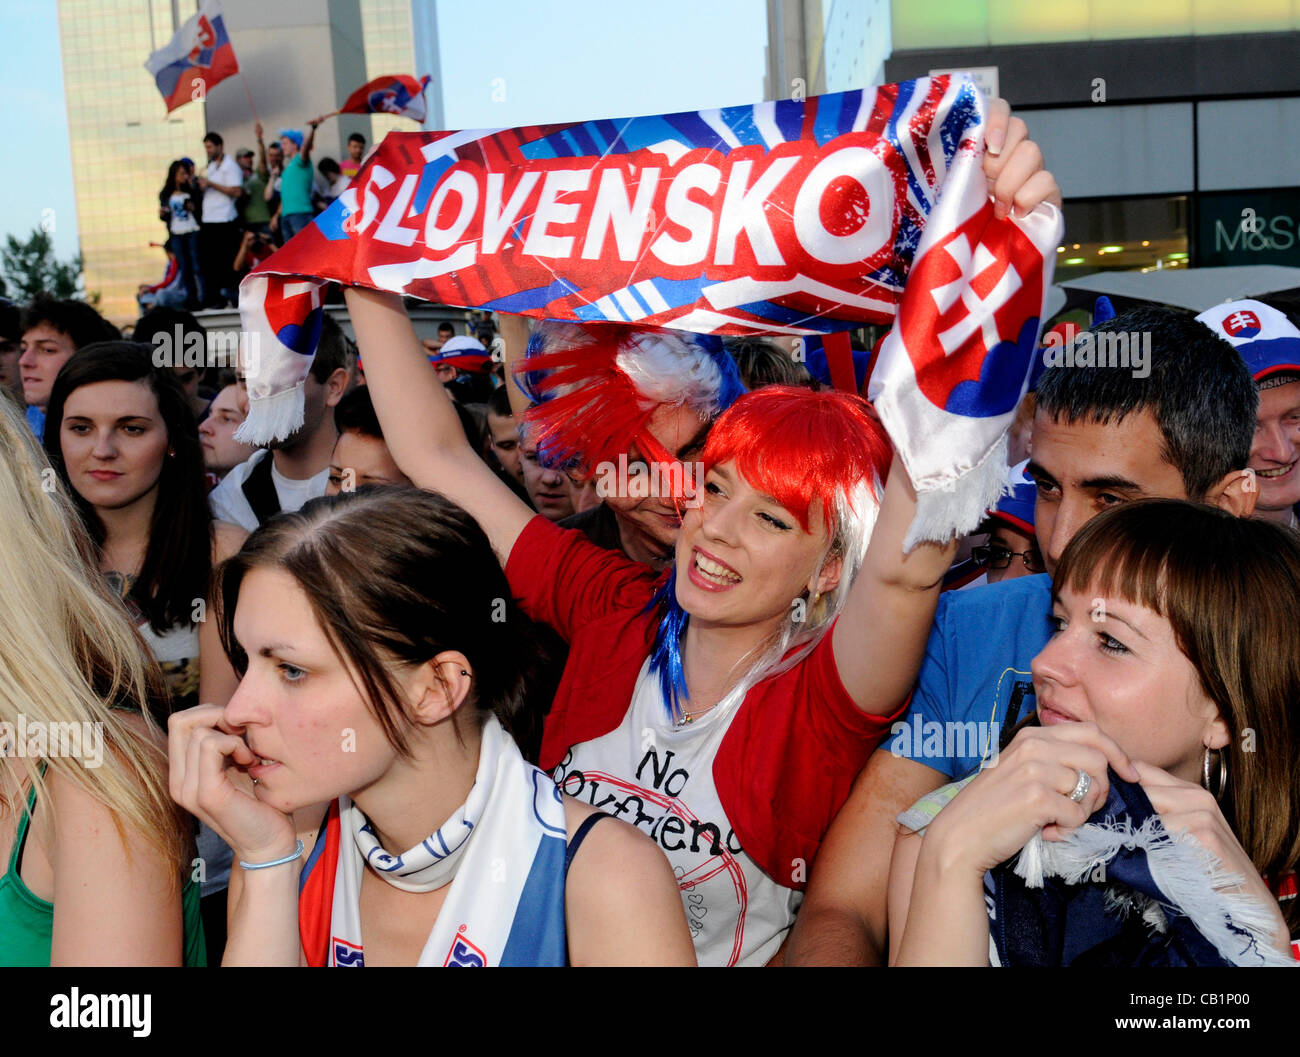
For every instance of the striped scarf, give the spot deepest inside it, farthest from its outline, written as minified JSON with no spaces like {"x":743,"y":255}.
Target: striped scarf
{"x":502,"y":852}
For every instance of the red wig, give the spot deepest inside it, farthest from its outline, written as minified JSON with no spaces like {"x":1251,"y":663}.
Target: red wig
{"x":802,"y":447}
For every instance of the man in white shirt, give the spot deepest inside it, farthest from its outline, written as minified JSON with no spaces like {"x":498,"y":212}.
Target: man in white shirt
{"x":290,"y":472}
{"x":222,"y":185}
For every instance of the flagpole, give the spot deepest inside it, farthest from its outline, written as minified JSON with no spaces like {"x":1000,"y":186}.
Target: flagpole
{"x":244,"y":81}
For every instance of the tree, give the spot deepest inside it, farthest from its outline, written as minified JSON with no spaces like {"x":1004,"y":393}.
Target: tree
{"x":32,"y":268}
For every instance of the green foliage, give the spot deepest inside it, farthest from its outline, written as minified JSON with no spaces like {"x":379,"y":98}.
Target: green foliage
{"x":30,"y":267}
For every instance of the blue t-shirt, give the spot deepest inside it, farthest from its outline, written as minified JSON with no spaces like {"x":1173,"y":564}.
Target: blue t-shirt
{"x":975,"y":678}
{"x":36,"y":420}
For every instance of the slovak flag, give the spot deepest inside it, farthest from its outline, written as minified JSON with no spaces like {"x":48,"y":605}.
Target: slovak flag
{"x":956,"y":364}
{"x":390,"y":94}
{"x":197,"y":58}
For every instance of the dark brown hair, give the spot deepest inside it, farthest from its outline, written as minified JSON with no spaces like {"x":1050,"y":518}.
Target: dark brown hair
{"x":1230,"y":588}
{"x":396,"y":576}
{"x":178,"y":560}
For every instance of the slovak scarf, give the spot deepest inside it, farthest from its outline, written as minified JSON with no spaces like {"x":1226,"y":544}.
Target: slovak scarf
{"x":1119,"y":892}
{"x":796,"y":217}
{"x":502,"y":852}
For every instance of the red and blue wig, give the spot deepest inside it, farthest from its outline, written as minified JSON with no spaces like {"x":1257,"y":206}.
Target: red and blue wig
{"x":595,"y":388}
{"x":810,"y":451}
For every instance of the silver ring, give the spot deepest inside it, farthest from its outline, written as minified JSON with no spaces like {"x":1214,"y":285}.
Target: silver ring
{"x":1081,"y":787}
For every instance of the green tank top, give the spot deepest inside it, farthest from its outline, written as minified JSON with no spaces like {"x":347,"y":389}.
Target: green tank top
{"x":27,"y":922}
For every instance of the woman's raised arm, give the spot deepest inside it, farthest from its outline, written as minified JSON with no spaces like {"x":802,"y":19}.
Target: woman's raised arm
{"x":880,"y":637}
{"x":420,"y":424}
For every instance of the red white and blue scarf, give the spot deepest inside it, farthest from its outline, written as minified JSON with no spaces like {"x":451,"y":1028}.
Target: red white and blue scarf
{"x":797,"y":217}
{"x":502,"y":852}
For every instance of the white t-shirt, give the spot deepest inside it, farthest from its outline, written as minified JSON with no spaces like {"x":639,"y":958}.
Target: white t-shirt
{"x":182,"y":220}
{"x":229,"y":503}
{"x":736,"y":913}
{"x":219,"y":208}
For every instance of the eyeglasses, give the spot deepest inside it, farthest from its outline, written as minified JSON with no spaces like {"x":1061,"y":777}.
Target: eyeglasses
{"x":1000,"y":558}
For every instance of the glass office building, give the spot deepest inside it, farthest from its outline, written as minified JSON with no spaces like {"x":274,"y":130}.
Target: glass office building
{"x":386,"y":32}
{"x":122,"y":142}
{"x":298,"y":61}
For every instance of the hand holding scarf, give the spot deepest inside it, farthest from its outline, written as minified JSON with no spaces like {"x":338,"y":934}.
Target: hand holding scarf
{"x":787,"y":217}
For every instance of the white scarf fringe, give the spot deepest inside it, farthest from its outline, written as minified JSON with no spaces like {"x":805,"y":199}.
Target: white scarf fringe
{"x":961,"y":504}
{"x":1191,"y":879}
{"x":272,"y":418}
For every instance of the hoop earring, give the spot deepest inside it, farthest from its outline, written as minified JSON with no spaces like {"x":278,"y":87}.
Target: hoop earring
{"x":1222,"y":776}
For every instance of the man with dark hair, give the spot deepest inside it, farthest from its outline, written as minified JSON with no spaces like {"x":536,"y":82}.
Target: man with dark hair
{"x":52,"y":330}
{"x":1175,"y":422}
{"x":445,"y":333}
{"x":178,"y":341}
{"x":222,"y":185}
{"x":351,"y":165}
{"x":254,"y":213}
{"x":360,"y":455}
{"x":271,"y":193}
{"x":503,"y":435}
{"x":289,"y":472}
{"x":335,"y":183}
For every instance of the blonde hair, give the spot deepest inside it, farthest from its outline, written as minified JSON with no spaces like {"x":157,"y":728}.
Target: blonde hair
{"x":70,"y":655}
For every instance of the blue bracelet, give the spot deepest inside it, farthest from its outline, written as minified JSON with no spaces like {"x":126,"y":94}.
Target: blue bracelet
{"x":297,"y":853}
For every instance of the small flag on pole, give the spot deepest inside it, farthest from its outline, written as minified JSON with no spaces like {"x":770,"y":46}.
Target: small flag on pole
{"x":390,"y":94}
{"x":197,"y":58}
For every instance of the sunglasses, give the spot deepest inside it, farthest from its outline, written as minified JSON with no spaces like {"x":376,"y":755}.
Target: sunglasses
{"x":1000,"y":558}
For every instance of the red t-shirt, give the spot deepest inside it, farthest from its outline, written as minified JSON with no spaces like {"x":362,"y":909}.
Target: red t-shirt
{"x":797,"y":741}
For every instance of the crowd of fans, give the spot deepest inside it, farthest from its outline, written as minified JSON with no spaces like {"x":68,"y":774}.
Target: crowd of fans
{"x":224,"y":222}
{"x":363,"y":636}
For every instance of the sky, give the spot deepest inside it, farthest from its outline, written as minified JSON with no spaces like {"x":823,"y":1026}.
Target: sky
{"x":511,"y":62}
{"x":34,"y":125}
{"x":504,"y":63}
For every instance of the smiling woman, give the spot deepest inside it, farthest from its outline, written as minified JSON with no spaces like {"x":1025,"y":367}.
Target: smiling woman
{"x":1170,"y":682}
{"x":722,"y":709}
